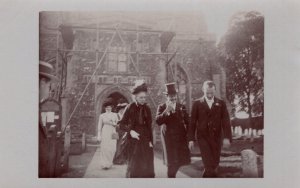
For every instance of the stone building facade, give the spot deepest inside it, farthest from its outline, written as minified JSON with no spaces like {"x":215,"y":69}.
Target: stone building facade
{"x":111,"y":50}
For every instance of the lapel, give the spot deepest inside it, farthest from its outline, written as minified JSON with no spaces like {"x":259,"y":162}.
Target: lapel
{"x":164,"y":105}
{"x":213,"y":106}
{"x":216,"y":105}
{"x":204,"y":103}
{"x":176,"y":108}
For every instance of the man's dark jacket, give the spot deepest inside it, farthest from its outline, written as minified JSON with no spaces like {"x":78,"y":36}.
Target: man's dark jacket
{"x":174,"y":139}
{"x":209,"y":126}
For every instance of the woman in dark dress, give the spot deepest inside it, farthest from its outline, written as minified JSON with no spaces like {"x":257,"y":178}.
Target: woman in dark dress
{"x":137,"y":122}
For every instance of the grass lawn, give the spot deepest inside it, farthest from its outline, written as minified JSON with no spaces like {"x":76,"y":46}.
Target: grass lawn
{"x":230,"y":165}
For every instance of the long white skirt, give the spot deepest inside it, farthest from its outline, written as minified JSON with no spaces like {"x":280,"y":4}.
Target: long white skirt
{"x":107,"y":146}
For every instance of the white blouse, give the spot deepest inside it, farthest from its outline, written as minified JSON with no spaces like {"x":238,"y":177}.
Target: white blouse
{"x":107,"y":118}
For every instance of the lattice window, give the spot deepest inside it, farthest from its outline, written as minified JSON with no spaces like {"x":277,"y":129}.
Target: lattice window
{"x":117,"y":60}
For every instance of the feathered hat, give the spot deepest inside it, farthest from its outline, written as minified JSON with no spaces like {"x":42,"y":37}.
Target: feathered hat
{"x":139,"y":86}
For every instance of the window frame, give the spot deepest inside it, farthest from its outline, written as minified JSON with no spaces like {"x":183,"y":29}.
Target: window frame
{"x":116,"y":60}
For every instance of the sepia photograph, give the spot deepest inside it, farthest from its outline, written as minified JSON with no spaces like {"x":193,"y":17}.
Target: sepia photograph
{"x":150,"y":94}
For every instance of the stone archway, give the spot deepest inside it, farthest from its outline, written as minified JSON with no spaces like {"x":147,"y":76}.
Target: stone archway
{"x":184,"y":86}
{"x":107,"y":92}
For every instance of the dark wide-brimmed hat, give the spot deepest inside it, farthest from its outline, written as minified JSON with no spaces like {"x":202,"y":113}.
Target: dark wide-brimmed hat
{"x":121,"y":106}
{"x":108,"y":102}
{"x":139,"y":86}
{"x":122,"y":103}
{"x":46,"y":70}
{"x":170,"y":89}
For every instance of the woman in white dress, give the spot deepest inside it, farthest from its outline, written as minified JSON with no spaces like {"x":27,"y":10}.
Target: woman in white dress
{"x":106,"y":134}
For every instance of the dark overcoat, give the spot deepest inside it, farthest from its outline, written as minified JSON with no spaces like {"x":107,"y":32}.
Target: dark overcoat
{"x":140,"y":154}
{"x":43,"y":152}
{"x":209,"y":126}
{"x":174,"y":139}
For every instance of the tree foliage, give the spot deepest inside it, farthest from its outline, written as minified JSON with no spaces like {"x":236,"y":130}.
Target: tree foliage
{"x":242,"y":52}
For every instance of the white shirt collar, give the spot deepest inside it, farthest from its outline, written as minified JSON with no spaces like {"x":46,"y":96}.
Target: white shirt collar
{"x":209,"y":100}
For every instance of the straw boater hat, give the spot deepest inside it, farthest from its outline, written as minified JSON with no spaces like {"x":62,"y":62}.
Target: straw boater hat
{"x":139,"y":86}
{"x":46,"y":70}
{"x":170,"y":89}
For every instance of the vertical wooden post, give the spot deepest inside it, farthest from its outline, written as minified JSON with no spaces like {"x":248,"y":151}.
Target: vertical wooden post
{"x":58,"y":93}
{"x":96,"y":63}
{"x":137,"y":47}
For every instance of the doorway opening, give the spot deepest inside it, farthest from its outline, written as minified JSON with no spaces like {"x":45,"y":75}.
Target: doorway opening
{"x":116,"y":99}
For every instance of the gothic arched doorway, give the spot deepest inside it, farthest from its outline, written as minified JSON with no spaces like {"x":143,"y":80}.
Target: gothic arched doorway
{"x":116,"y":97}
{"x":182,"y":80}
{"x":116,"y":93}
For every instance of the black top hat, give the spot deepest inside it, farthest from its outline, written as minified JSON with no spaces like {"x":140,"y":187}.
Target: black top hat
{"x":139,"y":86}
{"x":46,"y":70}
{"x":170,"y":89}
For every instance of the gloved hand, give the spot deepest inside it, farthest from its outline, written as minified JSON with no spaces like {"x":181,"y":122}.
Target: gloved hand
{"x":134,"y":134}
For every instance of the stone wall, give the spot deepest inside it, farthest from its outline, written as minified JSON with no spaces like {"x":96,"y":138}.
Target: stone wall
{"x":194,"y":63}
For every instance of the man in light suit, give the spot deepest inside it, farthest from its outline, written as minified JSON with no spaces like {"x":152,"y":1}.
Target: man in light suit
{"x":211,"y":123}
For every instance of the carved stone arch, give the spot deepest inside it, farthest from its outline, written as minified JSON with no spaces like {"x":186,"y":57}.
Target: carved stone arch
{"x":105,"y":93}
{"x":182,"y":79}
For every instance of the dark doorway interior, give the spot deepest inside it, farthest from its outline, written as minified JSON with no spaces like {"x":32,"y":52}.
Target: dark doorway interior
{"x":116,"y":97}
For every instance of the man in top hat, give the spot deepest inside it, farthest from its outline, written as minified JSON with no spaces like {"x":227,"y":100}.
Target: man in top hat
{"x":173,"y":119}
{"x":210,"y":121}
{"x":45,"y":78}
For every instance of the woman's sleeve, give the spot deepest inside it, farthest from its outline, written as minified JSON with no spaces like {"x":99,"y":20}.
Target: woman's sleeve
{"x":100,"y":124}
{"x":124,"y":122}
{"x":150,"y":123}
